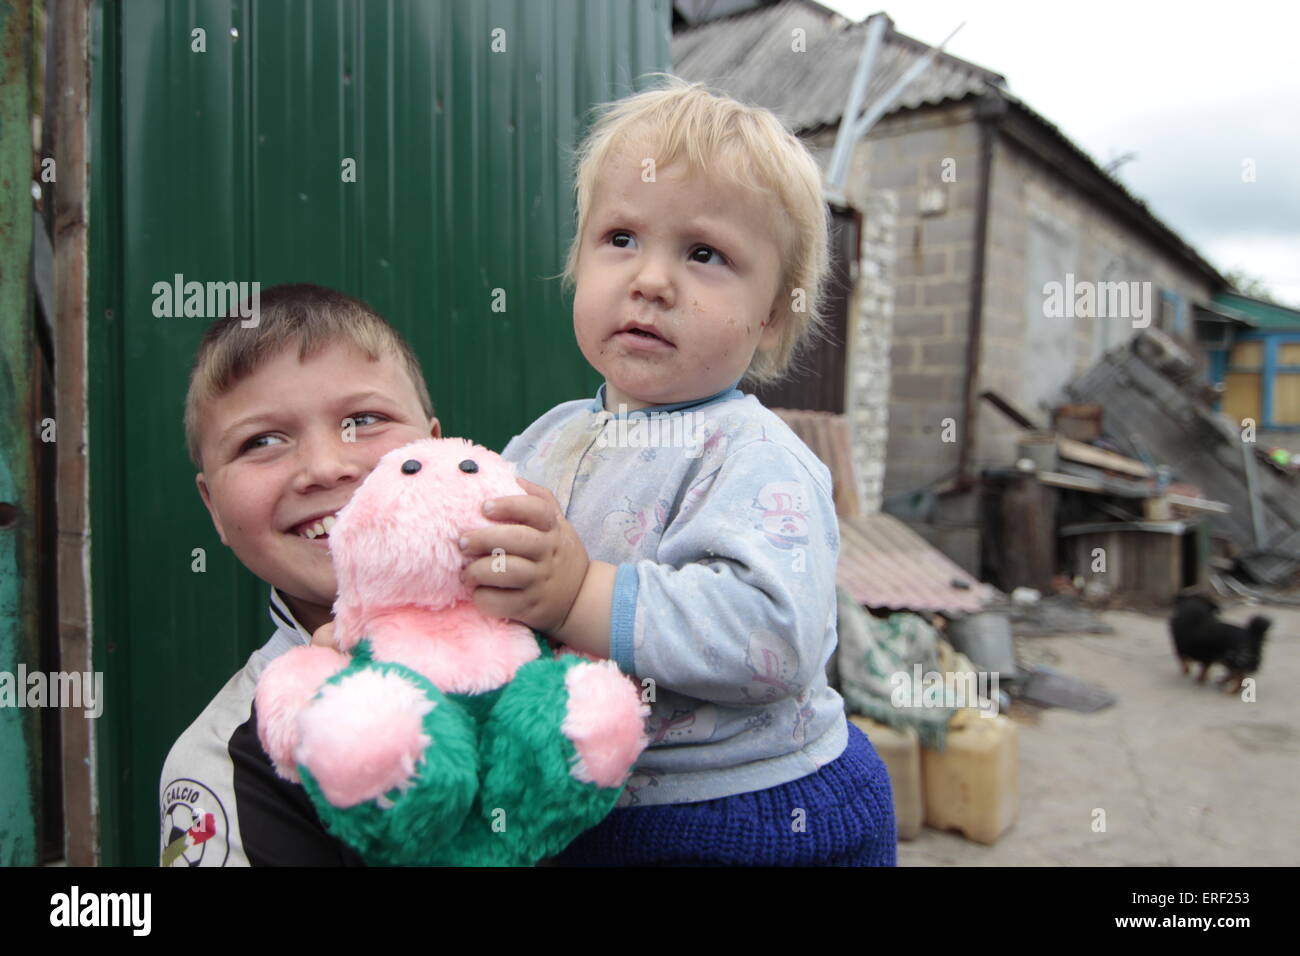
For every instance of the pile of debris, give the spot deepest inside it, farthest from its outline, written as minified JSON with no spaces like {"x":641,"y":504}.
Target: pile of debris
{"x":1141,"y":489}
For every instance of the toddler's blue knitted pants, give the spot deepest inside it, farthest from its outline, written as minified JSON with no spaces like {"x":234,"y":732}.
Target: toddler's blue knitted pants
{"x":847,"y":820}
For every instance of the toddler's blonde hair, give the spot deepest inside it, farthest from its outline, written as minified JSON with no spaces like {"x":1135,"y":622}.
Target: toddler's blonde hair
{"x":744,"y":145}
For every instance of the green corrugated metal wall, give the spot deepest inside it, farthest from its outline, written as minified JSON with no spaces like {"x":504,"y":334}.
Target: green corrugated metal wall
{"x":19,"y":425}
{"x":225,"y":166}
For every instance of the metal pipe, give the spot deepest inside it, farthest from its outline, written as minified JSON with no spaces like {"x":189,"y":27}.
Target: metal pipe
{"x":992,"y":107}
{"x":883,"y":105}
{"x":846,"y":136}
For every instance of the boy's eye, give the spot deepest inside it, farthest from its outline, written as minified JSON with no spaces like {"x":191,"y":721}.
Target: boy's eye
{"x":359,"y":421}
{"x":622,"y":240}
{"x":707,"y":252}
{"x":252,"y":442}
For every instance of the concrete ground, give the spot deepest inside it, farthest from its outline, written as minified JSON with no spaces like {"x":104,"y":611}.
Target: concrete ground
{"x":1187,"y":774}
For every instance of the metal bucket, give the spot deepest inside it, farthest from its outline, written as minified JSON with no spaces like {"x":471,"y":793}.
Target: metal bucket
{"x":1040,"y":448}
{"x":986,"y":639}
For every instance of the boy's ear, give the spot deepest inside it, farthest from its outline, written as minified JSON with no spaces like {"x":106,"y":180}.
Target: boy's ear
{"x":207,"y":500}
{"x":436,"y":430}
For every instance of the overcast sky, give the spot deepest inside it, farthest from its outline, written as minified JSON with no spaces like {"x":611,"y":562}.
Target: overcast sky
{"x":1193,"y":88}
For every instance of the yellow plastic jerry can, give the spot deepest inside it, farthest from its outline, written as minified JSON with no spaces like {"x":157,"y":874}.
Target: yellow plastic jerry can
{"x":973,"y":786}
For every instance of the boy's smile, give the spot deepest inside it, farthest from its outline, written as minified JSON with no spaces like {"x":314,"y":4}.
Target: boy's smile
{"x":277,"y":464}
{"x":675,"y":280}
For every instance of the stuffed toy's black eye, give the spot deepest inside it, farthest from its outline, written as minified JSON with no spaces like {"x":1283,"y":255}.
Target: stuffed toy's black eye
{"x":410,"y":466}
{"x":469,"y":465}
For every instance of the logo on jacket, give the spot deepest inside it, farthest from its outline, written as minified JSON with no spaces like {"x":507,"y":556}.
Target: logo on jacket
{"x":192,"y":816}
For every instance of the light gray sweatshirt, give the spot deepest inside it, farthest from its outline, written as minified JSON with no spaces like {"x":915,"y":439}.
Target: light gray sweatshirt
{"x":722,"y":525}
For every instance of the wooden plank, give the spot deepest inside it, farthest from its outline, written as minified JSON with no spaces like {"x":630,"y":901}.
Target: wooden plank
{"x":1099,"y":481}
{"x":72,"y":78}
{"x":1073,"y":482}
{"x":1200,"y":504}
{"x":1088,"y":455}
{"x":1009,"y":410}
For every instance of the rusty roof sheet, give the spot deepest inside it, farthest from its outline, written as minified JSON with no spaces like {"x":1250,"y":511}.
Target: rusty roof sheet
{"x":885,"y":564}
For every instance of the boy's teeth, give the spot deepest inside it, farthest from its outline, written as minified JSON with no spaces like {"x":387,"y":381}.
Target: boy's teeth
{"x":318,"y":528}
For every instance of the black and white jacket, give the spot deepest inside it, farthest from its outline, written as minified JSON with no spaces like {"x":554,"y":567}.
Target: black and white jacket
{"x":222,"y":804}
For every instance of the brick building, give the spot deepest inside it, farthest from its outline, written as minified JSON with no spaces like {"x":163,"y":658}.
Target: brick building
{"x":970,"y":207}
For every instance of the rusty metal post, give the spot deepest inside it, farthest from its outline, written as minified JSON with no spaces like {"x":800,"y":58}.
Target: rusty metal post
{"x":1028,"y":512}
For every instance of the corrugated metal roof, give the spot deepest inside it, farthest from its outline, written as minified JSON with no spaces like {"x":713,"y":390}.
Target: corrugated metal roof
{"x":1222,"y":314}
{"x":883,"y":563}
{"x":1256,"y":312}
{"x":751,"y":57}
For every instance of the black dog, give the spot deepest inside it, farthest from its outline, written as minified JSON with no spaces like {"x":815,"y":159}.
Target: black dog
{"x":1200,"y":636}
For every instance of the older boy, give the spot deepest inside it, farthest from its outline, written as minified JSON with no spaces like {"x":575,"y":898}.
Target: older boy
{"x":283,"y":421}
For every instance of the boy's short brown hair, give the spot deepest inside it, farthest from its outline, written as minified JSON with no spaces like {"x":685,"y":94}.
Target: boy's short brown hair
{"x":314,"y":316}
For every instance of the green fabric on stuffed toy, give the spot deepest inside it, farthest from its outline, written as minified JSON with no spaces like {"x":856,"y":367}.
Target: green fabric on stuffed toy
{"x":446,"y":818}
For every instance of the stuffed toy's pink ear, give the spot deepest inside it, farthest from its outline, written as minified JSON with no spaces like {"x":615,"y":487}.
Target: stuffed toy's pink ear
{"x":395,"y":542}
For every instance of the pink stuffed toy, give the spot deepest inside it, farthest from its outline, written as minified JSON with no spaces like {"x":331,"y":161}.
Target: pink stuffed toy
{"x":442,"y":736}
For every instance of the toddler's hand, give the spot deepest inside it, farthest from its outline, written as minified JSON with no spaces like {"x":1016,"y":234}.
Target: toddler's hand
{"x":323,"y":636}
{"x":536,"y":575}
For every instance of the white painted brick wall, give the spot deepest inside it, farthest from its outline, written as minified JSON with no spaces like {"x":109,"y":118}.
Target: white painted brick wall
{"x":871,"y":328}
